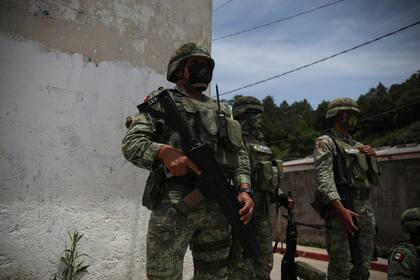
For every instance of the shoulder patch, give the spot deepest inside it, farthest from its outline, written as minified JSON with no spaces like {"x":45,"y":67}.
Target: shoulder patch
{"x":321,"y":144}
{"x":399,"y":256}
{"x":154,"y":93}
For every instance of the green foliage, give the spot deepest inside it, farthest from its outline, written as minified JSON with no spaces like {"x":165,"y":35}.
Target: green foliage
{"x":388,"y":117}
{"x":70,"y":259}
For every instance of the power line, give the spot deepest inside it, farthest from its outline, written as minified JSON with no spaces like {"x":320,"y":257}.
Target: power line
{"x":389,"y":111}
{"x":221,"y":6}
{"x":361,"y":121}
{"x":323,"y":59}
{"x":276,"y":21}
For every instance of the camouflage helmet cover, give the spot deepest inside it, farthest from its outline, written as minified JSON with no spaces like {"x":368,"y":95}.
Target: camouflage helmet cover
{"x":341,"y":104}
{"x":181,"y":54}
{"x":244,"y":103}
{"x":410,"y":220}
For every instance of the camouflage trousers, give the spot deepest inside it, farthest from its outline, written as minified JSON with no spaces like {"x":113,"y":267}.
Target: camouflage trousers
{"x":204,"y":229}
{"x":239,"y":266}
{"x":340,"y":266}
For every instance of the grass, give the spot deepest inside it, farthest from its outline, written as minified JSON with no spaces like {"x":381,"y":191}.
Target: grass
{"x":71,"y":261}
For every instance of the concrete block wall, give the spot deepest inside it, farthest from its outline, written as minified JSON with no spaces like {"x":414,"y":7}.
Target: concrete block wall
{"x":72,"y":70}
{"x":398,"y":189}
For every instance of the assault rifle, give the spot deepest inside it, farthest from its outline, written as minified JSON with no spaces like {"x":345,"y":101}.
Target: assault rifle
{"x":290,"y":269}
{"x":343,"y":184}
{"x":213,"y":184}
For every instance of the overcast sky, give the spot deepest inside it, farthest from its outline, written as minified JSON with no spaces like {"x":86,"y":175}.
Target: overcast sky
{"x":272,"y":50}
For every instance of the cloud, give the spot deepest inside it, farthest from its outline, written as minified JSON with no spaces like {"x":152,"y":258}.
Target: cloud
{"x":258,"y":55}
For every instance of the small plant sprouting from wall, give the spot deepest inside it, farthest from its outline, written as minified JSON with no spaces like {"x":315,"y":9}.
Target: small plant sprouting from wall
{"x":71,"y":261}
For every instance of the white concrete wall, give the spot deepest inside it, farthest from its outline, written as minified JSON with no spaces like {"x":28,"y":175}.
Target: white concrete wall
{"x":62,"y":121}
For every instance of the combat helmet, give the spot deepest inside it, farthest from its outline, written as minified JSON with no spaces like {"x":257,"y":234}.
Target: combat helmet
{"x":244,"y":103}
{"x":181,"y":54}
{"x":410,"y":220}
{"x":341,"y":104}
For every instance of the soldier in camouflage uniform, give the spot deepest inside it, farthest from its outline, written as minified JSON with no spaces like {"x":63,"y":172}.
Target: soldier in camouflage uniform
{"x":266,"y":171}
{"x":404,"y":257}
{"x":361,"y":164}
{"x":150,"y":143}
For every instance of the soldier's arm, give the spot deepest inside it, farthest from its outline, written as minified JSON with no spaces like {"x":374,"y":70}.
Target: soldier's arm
{"x":137,"y":145}
{"x":243,"y":172}
{"x":242,"y":179}
{"x":324,"y":152}
{"x":323,"y":160}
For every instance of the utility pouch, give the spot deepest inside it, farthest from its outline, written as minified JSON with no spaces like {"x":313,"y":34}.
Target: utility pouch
{"x":234,"y":133}
{"x":278,"y":165}
{"x":153,"y":191}
{"x":363,"y":163}
{"x":374,"y":170}
{"x":265,"y":176}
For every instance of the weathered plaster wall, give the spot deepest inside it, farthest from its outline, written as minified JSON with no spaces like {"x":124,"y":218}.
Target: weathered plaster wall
{"x":143,"y":32}
{"x":71,"y":72}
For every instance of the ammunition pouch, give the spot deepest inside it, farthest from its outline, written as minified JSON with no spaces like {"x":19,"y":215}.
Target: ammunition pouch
{"x":216,"y":130}
{"x":374,"y":170}
{"x":234,"y":133}
{"x":268,"y":175}
{"x":153,"y":191}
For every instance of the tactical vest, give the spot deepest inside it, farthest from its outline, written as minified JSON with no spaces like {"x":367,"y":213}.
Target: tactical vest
{"x":203,"y":119}
{"x":266,"y":170}
{"x":364,"y":169}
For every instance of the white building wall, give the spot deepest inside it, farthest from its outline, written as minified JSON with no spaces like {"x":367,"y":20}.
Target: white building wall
{"x":68,"y":79}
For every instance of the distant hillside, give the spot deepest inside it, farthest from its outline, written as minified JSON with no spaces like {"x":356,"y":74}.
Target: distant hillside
{"x":390,"y":116}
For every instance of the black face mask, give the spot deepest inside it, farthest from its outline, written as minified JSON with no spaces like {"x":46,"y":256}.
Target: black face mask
{"x":199,"y":73}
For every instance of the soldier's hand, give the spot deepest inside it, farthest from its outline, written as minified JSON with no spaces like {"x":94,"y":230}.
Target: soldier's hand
{"x":128,"y":122}
{"x":290,"y":203}
{"x":346,"y":216}
{"x":176,"y":162}
{"x":247,"y":210}
{"x":368,"y":150}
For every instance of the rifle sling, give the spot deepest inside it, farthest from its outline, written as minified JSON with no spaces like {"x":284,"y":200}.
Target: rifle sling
{"x":339,"y":162}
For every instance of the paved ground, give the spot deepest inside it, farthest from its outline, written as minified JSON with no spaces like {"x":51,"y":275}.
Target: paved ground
{"x":321,"y":265}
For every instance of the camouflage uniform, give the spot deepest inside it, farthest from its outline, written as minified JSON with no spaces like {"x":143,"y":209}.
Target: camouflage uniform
{"x":266,"y":172}
{"x":364,"y":172}
{"x":404,"y":257}
{"x":203,"y":227}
